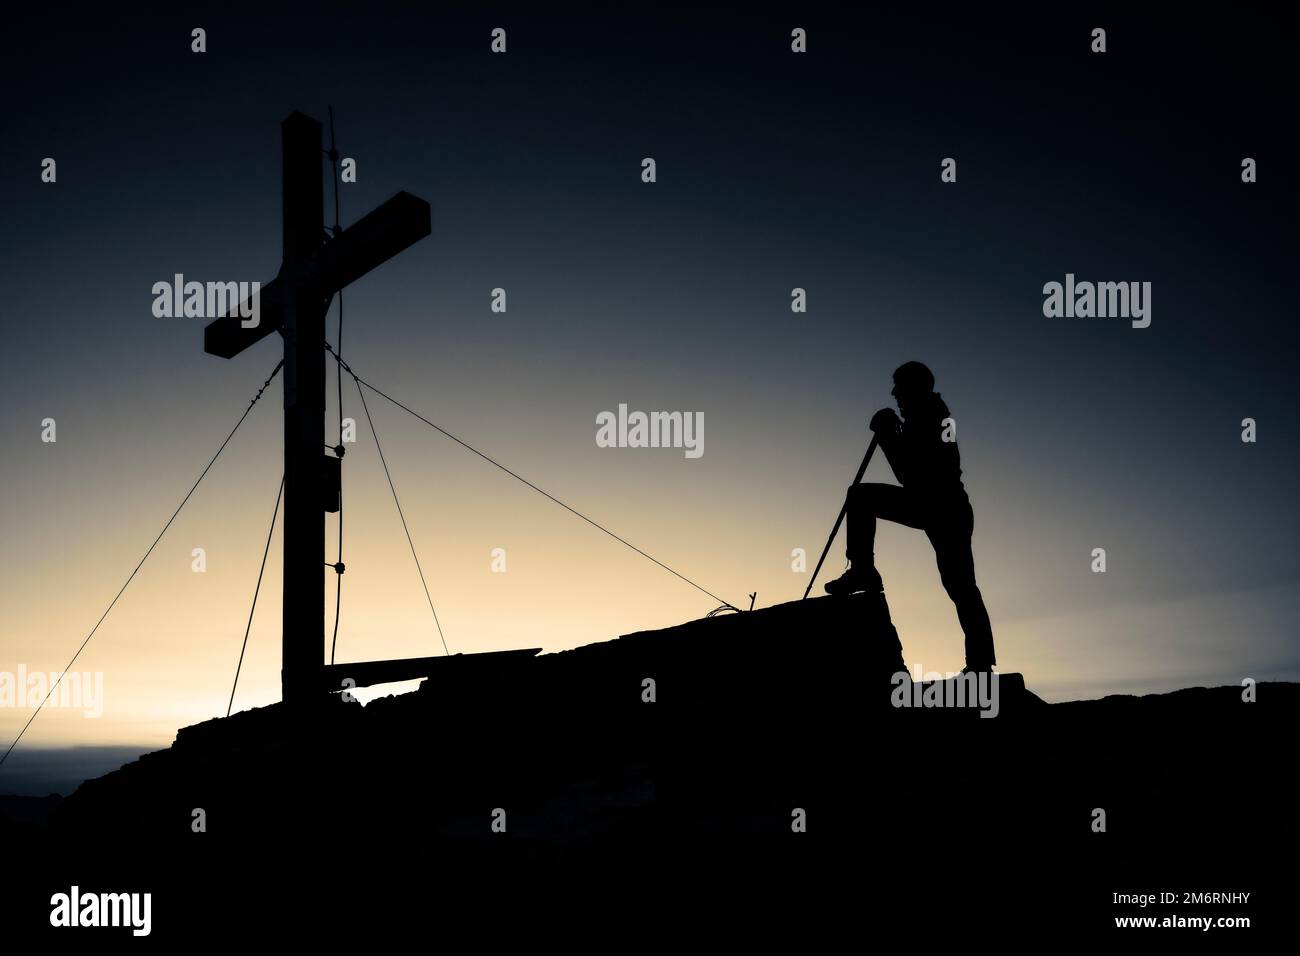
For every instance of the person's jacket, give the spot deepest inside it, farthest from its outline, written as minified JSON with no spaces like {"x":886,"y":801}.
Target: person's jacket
{"x":921,"y":460}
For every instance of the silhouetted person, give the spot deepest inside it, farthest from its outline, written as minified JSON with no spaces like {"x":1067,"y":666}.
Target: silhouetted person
{"x":932,"y":498}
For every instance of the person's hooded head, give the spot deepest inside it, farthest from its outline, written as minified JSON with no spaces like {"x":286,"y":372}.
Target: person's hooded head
{"x":914,"y":389}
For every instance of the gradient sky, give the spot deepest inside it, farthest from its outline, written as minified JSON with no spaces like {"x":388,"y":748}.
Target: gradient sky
{"x":774,"y":171}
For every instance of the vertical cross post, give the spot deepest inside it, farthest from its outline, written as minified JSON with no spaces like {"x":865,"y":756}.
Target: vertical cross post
{"x":294,"y":304}
{"x":304,"y":413}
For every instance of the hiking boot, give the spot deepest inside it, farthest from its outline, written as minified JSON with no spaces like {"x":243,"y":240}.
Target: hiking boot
{"x":855,"y":579}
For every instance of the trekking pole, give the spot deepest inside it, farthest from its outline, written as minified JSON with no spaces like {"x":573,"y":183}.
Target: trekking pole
{"x":862,"y":470}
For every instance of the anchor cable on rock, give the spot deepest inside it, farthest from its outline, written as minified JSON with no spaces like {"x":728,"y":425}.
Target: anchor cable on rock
{"x":260,"y":571}
{"x":595,"y":524}
{"x":400,"y":514}
{"x":111,"y":604}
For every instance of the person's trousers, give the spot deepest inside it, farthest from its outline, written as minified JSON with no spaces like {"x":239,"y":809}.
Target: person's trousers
{"x":948,"y":526}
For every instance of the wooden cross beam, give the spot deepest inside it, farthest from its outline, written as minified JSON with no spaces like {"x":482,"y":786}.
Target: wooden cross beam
{"x":294,"y":304}
{"x":400,"y":222}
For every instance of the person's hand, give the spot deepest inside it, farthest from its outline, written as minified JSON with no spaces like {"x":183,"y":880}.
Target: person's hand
{"x":885,"y":420}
